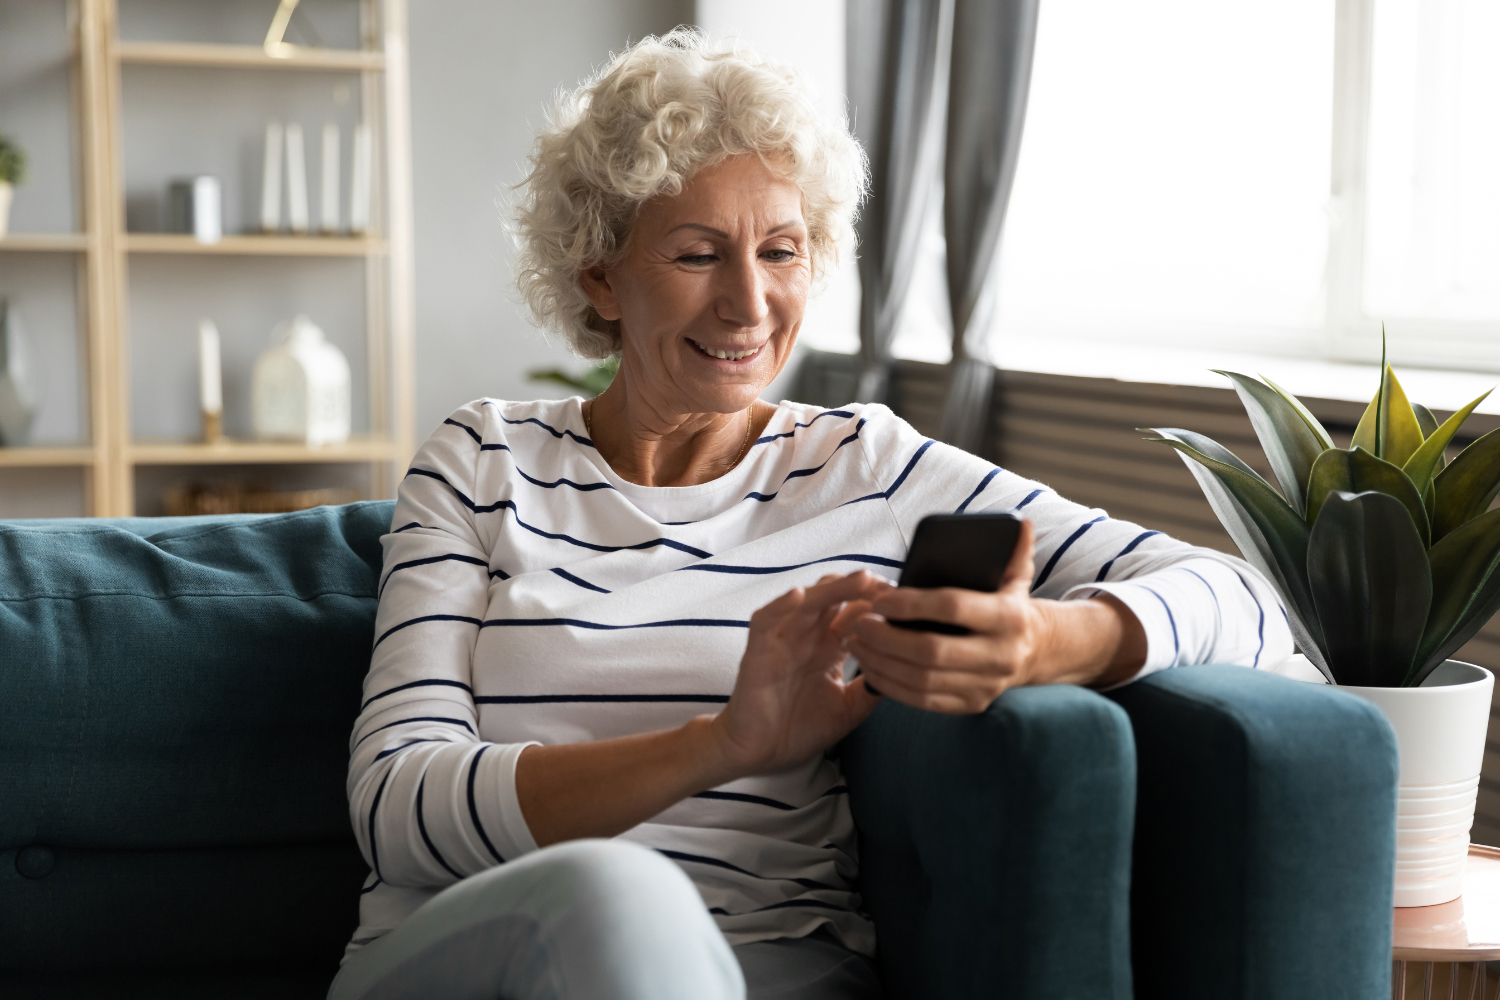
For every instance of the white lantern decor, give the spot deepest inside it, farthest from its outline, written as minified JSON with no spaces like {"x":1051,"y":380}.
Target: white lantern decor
{"x":300,"y":389}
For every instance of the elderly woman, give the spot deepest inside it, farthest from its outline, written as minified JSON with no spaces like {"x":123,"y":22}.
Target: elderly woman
{"x":611,"y":643}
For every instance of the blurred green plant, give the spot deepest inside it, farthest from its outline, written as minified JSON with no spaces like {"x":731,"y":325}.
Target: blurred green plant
{"x":592,"y":382}
{"x":1386,"y":557}
{"x":12,"y":162}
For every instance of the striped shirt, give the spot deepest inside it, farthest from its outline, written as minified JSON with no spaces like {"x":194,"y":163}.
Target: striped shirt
{"x":532,"y":596}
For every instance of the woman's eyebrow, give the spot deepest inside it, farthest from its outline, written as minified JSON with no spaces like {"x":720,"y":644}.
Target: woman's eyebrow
{"x":723,"y":235}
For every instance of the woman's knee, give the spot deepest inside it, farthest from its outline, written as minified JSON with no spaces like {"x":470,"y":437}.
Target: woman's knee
{"x":614,"y":878}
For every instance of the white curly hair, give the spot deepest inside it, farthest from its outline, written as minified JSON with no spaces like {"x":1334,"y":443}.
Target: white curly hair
{"x":654,"y":116}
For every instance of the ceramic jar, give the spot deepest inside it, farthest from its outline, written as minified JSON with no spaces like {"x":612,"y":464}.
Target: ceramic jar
{"x":300,"y":388}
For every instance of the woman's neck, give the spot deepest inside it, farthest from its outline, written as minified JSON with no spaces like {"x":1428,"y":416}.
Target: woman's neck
{"x":649,"y":445}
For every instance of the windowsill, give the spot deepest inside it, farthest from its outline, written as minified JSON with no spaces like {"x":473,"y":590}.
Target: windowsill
{"x":1301,"y":376}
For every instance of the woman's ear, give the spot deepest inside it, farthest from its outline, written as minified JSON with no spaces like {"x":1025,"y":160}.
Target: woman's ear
{"x":595,"y":282}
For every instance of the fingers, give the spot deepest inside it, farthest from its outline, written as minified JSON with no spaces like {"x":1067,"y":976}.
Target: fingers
{"x":948,"y":702}
{"x":930,"y":649}
{"x":972,"y":609}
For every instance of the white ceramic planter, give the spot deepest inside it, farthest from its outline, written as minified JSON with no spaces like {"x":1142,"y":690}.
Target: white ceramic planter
{"x":1440,"y":729}
{"x":6,"y":191}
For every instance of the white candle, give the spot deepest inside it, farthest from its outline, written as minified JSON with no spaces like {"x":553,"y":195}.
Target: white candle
{"x":359,"y":181}
{"x":296,"y":180}
{"x":328,"y":201}
{"x":210,"y":375}
{"x":270,"y":186}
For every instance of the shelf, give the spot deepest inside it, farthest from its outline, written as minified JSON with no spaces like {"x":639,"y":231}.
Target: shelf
{"x":66,"y":242}
{"x":278,"y":246}
{"x":246,"y":56}
{"x":35,"y":457}
{"x":258,"y":452}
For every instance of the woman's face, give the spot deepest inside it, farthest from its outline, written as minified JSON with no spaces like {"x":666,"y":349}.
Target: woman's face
{"x":720,"y":269}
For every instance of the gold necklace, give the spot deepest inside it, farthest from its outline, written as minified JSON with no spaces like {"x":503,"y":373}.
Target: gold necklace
{"x":588,"y":427}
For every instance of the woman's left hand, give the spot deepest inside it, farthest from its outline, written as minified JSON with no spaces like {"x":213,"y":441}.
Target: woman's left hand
{"x":1015,"y":640}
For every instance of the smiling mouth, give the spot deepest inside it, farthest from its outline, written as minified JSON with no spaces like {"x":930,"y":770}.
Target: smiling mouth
{"x":714,"y":352}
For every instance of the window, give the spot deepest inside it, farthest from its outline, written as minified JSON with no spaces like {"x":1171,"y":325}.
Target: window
{"x":1274,"y":177}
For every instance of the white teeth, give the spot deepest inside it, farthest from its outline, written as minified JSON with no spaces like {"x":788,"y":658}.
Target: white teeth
{"x":725,"y":355}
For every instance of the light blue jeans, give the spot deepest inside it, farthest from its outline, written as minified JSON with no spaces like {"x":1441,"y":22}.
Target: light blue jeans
{"x":590,"y":920}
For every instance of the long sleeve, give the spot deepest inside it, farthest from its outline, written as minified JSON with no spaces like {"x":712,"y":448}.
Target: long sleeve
{"x":430,"y":802}
{"x":1196,"y":605}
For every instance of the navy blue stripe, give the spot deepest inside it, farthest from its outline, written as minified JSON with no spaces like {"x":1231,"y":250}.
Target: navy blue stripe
{"x":511,"y":505}
{"x":374,"y":854}
{"x":407,"y":527}
{"x":795,"y":427}
{"x":494,"y":447}
{"x":420,"y":718}
{"x":978,"y":490}
{"x":1047,"y":570}
{"x":763,"y":570}
{"x":414,"y":684}
{"x":800,"y":473}
{"x":422,"y":826}
{"x":1176,"y":646}
{"x":816,"y":903}
{"x":715,"y":862}
{"x":472,"y":432}
{"x":1260,"y":628}
{"x":580,"y":487}
{"x":450,"y":557}
{"x":370,"y":888}
{"x":424,"y":618}
{"x":759,"y":800}
{"x":1211,"y":592}
{"x":559,"y":434}
{"x":1138,"y":539}
{"x":887,"y":494}
{"x":499,"y":573}
{"x":580,"y":623}
{"x":474,"y":809}
{"x":582,"y":583}
{"x":386,"y":753}
{"x":550,"y":699}
{"x":1029,"y":497}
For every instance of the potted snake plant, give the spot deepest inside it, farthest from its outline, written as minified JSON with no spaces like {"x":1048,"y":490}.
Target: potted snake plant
{"x":1387,"y":560}
{"x":12,"y":172}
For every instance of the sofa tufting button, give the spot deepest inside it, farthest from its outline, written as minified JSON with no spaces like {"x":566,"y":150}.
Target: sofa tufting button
{"x":35,"y":862}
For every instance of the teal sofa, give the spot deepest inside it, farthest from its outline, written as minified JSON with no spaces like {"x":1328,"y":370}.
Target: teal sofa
{"x":175,"y":702}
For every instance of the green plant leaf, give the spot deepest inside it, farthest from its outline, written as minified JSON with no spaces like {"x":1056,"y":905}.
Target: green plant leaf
{"x":1356,"y":471}
{"x":1370,"y":580}
{"x":1367,"y":434}
{"x":1313,"y":424}
{"x":1272,"y":537}
{"x":1424,"y":461}
{"x":1467,"y":486}
{"x":1389,"y":428}
{"x":1425,"y":419}
{"x":1466,"y":578}
{"x":1289,"y":443}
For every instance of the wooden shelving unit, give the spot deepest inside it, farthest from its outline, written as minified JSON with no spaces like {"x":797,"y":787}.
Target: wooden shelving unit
{"x":105,"y":247}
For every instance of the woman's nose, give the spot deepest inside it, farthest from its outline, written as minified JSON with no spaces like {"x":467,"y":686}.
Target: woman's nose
{"x":742,"y":293}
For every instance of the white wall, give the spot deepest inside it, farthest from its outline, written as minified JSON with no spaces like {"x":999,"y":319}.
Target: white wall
{"x":482,"y":74}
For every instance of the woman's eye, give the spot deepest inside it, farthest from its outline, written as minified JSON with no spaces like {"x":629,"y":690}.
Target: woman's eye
{"x":781,"y":256}
{"x":696,"y":258}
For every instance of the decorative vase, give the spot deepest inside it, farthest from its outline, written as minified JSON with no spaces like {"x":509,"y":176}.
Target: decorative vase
{"x":6,"y":192}
{"x":18,"y":397}
{"x":1440,"y":730}
{"x":300,"y":387}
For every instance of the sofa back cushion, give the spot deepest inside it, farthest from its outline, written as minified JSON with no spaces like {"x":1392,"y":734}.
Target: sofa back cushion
{"x":176,"y":698}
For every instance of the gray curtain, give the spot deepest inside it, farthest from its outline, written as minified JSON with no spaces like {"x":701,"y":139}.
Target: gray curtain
{"x":897,"y":69}
{"x":990,"y":75}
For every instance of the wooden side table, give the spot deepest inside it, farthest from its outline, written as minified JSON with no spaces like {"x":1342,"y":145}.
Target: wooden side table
{"x":1464,"y":933}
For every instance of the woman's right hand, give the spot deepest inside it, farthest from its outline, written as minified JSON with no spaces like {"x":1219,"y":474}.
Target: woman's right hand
{"x":790,"y":700}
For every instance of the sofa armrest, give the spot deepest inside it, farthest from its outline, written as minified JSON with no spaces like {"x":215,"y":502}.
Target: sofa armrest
{"x":995,"y":848}
{"x":1265,"y":838}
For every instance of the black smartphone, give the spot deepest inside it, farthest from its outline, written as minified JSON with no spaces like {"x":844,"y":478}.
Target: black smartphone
{"x":959,"y":550}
